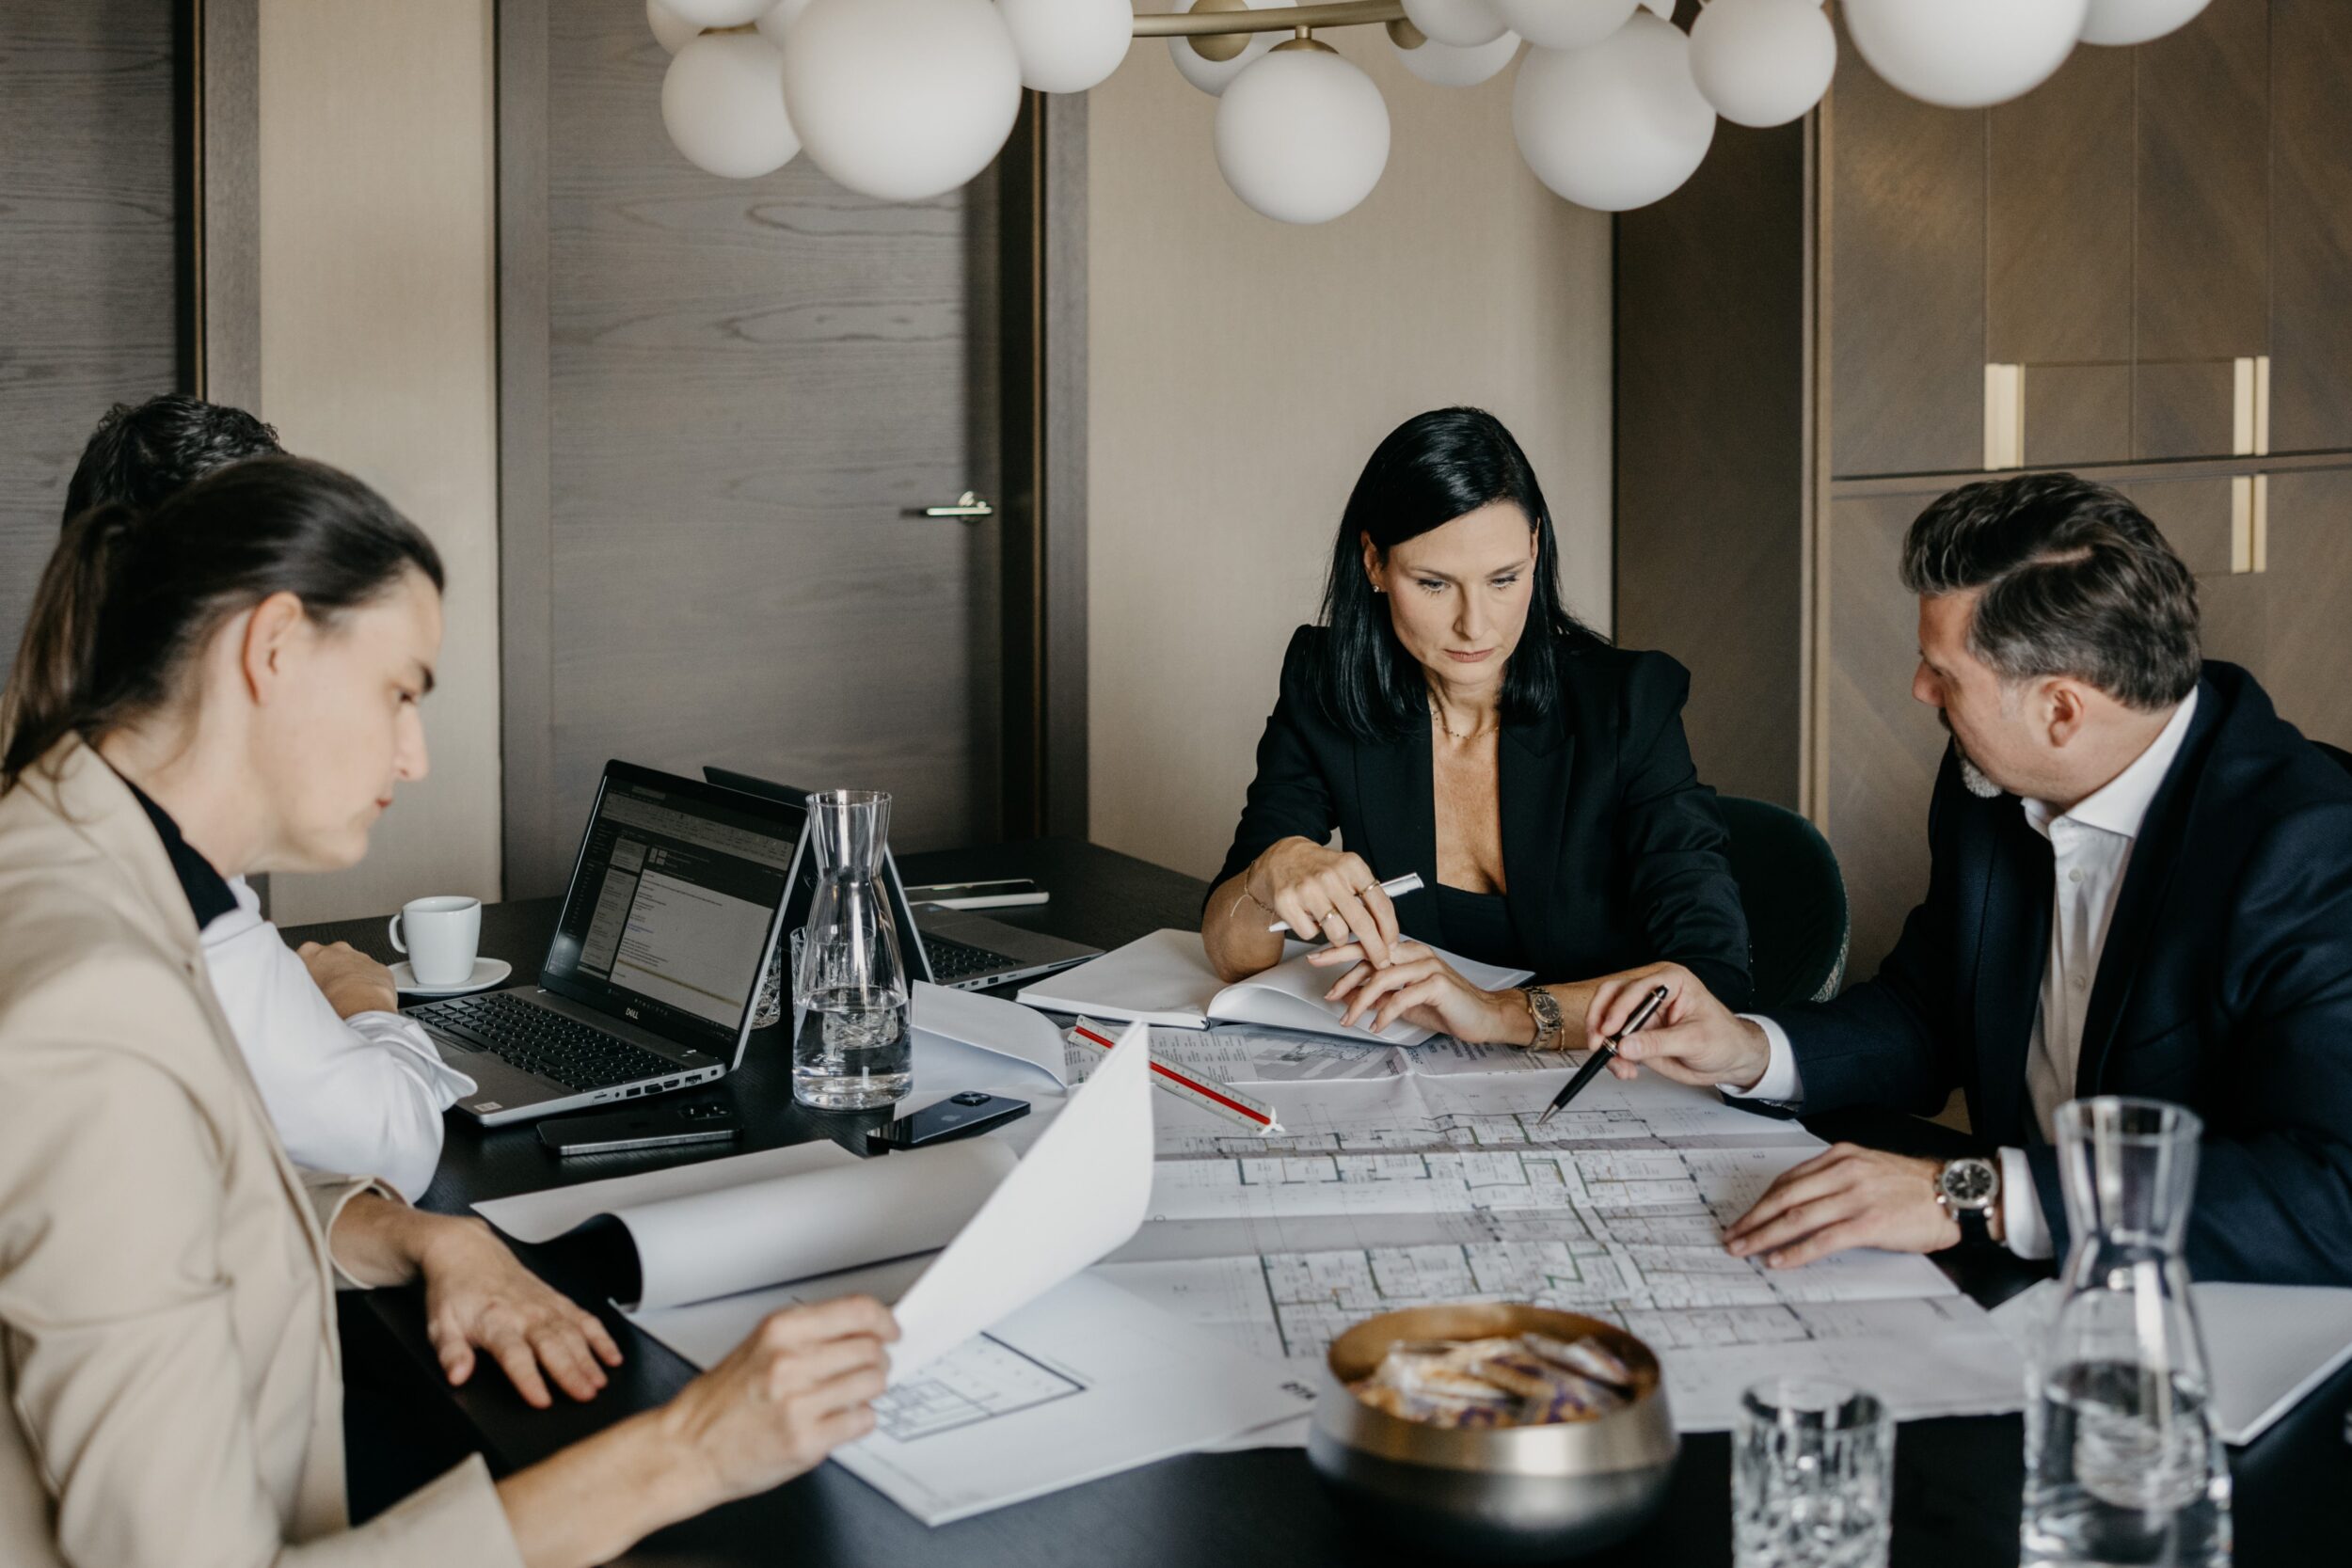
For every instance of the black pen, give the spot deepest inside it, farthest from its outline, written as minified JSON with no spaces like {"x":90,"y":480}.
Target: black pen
{"x":1607,"y":1054}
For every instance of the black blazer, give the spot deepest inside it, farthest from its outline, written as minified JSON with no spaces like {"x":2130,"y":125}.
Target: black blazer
{"x":1611,"y":848}
{"x":2225,"y":985}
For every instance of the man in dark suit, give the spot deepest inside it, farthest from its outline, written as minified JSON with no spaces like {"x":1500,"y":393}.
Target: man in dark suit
{"x":2141,"y":884}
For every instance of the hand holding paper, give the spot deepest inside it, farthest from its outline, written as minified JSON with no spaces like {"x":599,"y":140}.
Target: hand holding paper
{"x":1083,"y":1190}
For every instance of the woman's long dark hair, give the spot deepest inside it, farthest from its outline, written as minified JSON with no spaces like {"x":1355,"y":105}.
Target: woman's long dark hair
{"x":1431,"y":470}
{"x":128,"y":598}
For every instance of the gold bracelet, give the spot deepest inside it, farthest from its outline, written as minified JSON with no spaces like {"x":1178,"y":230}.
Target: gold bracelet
{"x":1544,"y":1009}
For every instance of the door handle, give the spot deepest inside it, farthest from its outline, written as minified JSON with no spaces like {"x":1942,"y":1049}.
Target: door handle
{"x":967,"y":505}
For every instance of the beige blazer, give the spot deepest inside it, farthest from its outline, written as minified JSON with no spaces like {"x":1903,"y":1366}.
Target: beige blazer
{"x":166,"y":1300}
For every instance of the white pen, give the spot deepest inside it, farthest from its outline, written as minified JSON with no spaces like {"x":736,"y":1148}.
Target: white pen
{"x":1409,"y":883}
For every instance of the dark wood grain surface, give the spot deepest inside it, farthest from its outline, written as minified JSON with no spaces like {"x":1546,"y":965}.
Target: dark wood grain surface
{"x":2059,"y":219}
{"x":2204,"y":230}
{"x":89,"y":271}
{"x":1957,"y":1481}
{"x":2311,"y":226}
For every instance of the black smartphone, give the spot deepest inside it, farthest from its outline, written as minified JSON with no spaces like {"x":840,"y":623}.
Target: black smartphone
{"x":657,"y":1126}
{"x":959,"y":1116}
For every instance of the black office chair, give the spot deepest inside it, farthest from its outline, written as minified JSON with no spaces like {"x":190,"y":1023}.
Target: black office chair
{"x":1795,"y":899}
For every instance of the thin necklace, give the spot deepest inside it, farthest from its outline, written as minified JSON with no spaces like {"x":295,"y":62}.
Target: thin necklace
{"x":1438,"y":714}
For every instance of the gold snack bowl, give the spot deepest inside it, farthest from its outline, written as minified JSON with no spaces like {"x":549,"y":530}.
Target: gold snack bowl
{"x":1503,"y":1494}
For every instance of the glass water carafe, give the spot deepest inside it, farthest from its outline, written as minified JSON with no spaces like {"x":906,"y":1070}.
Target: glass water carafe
{"x":2123,"y":1463}
{"x":852,"y":1051}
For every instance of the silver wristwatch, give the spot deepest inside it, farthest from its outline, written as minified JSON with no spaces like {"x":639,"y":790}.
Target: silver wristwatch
{"x":1550,"y":1028}
{"x":1967,"y":1189}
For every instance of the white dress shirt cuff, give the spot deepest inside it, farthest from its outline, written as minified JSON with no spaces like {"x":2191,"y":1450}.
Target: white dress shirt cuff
{"x":405,"y":1034}
{"x":1780,"y":1083}
{"x":2025,"y":1232}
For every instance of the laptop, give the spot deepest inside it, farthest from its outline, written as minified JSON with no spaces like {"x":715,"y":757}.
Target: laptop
{"x":948,"y":947}
{"x":677,"y":897}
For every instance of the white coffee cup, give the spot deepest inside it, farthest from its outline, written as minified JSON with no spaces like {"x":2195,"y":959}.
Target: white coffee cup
{"x":441,"y":935}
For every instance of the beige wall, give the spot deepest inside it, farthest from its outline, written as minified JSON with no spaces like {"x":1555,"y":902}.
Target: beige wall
{"x":377,"y":355}
{"x":1240,"y":371}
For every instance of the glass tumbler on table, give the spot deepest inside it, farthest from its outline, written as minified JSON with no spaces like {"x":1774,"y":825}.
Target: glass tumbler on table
{"x":1812,"y":1476}
{"x":2123,"y":1463}
{"x":853,"y":1051}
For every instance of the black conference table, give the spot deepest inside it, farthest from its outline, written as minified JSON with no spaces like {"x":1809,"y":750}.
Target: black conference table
{"x":1957,"y":1480}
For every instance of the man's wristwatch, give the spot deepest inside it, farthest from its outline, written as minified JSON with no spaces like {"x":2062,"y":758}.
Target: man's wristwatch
{"x":1967,"y":1190}
{"x":1550,"y":1028}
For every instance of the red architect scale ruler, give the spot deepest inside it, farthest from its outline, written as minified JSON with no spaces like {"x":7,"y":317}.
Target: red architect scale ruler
{"x":1196,"y":1088}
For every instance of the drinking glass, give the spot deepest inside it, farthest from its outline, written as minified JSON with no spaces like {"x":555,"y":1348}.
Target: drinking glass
{"x":1812,"y":1476}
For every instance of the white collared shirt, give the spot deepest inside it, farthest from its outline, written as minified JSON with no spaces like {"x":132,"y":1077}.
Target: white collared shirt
{"x":2091,"y":847}
{"x":361,"y":1096}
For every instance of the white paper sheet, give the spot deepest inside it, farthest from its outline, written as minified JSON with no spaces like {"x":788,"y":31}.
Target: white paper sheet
{"x":2266,"y":1346}
{"x":1082,"y":1190}
{"x":826,"y":1212}
{"x":988,"y":1024}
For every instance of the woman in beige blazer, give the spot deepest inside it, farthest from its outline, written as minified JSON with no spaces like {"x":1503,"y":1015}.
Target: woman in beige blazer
{"x":233,"y":689}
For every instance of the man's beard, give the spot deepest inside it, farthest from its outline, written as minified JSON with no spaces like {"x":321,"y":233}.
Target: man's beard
{"x":1979,"y":782}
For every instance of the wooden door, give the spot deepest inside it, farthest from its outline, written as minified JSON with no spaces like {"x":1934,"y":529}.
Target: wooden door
{"x":2310,"y":235}
{"x":90,"y":294}
{"x":747,"y":386}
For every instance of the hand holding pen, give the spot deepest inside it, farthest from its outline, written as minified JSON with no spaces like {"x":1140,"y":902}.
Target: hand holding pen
{"x":1607,"y":1054}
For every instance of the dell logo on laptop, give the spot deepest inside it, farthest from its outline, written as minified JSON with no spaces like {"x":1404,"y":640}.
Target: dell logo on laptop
{"x":629,"y":1013}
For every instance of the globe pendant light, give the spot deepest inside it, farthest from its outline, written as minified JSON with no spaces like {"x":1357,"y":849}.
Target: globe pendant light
{"x":1763,"y":62}
{"x":1616,"y":126}
{"x":777,"y":20}
{"x":671,"y":30}
{"x":2117,"y":22}
{"x":1462,"y":24}
{"x":723,"y":103}
{"x":1211,"y":62}
{"x":1443,"y":65}
{"x":1067,"y":45}
{"x":902,"y":100}
{"x":1302,"y":135}
{"x":717,"y":13}
{"x":1965,"y":53}
{"x":1565,"y":24}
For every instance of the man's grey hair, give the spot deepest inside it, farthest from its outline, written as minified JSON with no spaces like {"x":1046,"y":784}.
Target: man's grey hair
{"x":2075,"y":582}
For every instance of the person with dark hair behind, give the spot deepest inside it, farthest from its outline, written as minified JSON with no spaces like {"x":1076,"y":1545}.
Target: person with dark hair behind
{"x":2140,"y":883}
{"x":1451,"y":718}
{"x":143,"y":454}
{"x":352,"y":1083}
{"x":227,"y":685}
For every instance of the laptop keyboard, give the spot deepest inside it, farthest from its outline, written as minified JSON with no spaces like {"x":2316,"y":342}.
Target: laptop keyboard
{"x":544,"y":1042}
{"x":960,"y":960}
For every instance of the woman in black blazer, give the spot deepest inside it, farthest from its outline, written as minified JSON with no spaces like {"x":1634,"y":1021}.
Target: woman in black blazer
{"x":1451,"y":718}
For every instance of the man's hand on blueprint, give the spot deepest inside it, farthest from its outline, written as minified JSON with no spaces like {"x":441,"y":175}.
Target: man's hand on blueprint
{"x":1846,"y":1197}
{"x":1693,"y":1038}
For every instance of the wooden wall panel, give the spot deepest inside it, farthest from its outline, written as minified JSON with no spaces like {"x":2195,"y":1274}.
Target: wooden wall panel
{"x":1711,"y":554}
{"x":2204,"y":186}
{"x":2078,"y":414}
{"x":2311,"y":171}
{"x":2183,"y":408}
{"x":89,"y":287}
{"x":1884,"y":747}
{"x":2059,"y":218}
{"x":2309,"y":579}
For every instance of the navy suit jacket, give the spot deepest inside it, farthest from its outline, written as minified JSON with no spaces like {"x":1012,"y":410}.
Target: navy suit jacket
{"x":2225,"y":986}
{"x":1613,"y":850}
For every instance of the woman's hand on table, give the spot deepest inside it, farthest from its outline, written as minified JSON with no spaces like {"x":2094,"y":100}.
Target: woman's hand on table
{"x":800,"y":1386}
{"x":1420,"y":989}
{"x":478,"y":1295}
{"x":1327,"y":893}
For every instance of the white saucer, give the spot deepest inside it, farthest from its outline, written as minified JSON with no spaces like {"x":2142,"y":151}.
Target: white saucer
{"x":486,"y":972}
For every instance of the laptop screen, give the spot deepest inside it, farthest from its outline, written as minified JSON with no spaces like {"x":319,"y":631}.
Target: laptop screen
{"x":675,"y":899}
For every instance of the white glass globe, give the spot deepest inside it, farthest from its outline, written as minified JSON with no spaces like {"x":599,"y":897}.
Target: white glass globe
{"x":902,"y":100}
{"x":1463,"y":24}
{"x":671,"y":30}
{"x":1302,"y":135}
{"x":717,"y":13}
{"x":1214,"y":76}
{"x":1617,"y":125}
{"x":1067,"y":45}
{"x":2114,"y":21}
{"x":1763,"y":62}
{"x":1565,"y":24}
{"x":723,"y":103}
{"x":1663,"y":7}
{"x":1965,"y":55}
{"x":1444,"y":66}
{"x":777,"y":20}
